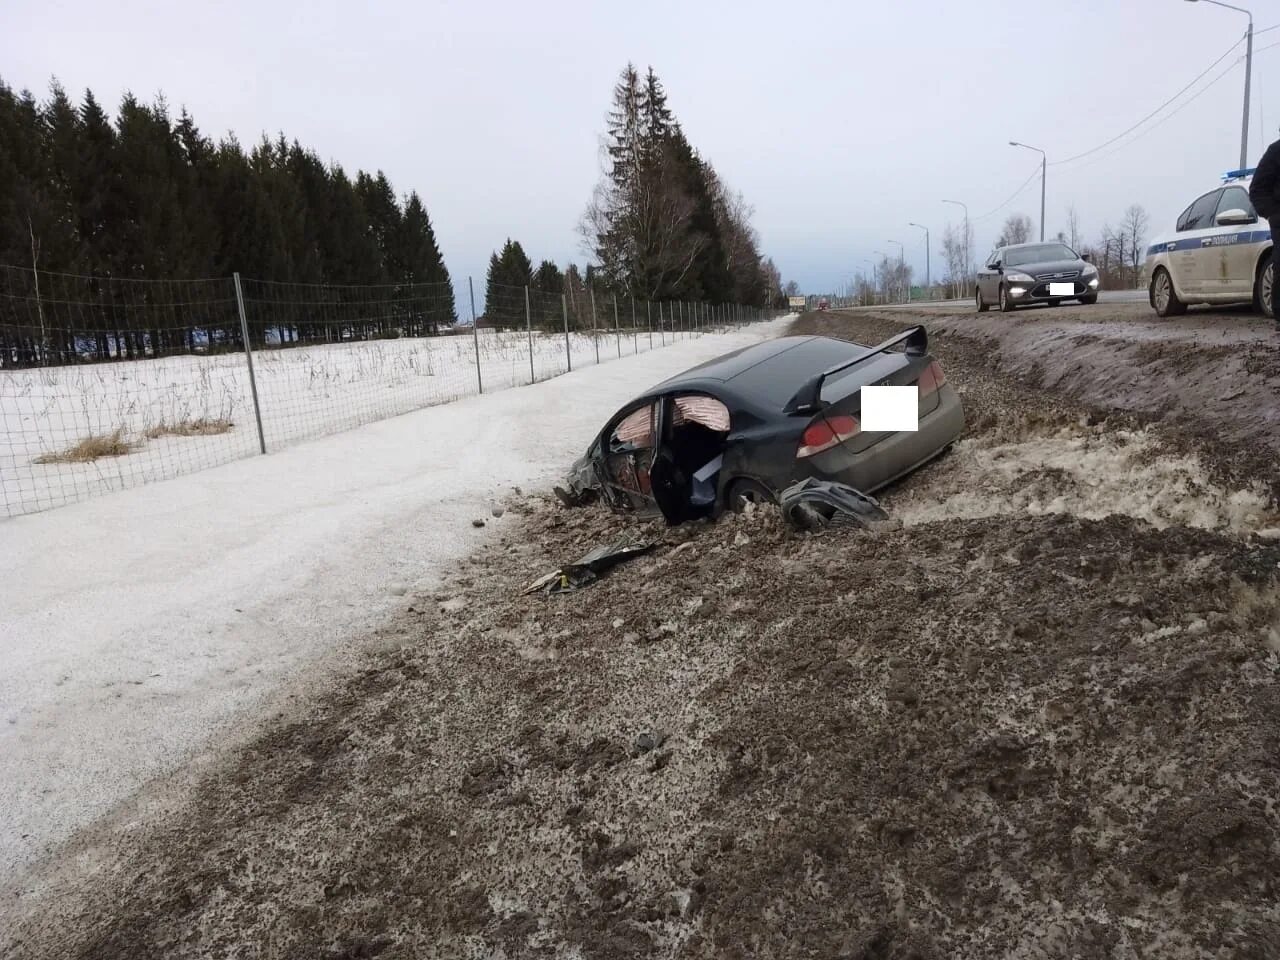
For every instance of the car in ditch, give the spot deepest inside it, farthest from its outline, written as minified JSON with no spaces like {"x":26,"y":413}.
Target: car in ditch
{"x":1023,"y":273}
{"x":1219,"y":252}
{"x":747,"y":425}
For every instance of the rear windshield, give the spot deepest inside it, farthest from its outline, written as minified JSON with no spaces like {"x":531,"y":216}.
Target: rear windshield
{"x":1040,"y":253}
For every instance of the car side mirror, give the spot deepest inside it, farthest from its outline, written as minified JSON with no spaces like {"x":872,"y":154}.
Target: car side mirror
{"x":994,"y":266}
{"x":1087,"y":257}
{"x":1234,"y":217}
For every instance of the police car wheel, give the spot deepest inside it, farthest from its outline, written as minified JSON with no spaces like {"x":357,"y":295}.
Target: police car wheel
{"x":982,"y":304}
{"x":1163,"y":297}
{"x":1091,"y":298}
{"x":1006,"y":306}
{"x":1264,"y":289}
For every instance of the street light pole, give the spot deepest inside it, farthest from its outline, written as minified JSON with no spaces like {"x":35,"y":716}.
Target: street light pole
{"x":1248,"y":74}
{"x":928,"y":273}
{"x":901,"y":273}
{"x":968,"y":265}
{"x":884,"y":258}
{"x":1044,"y":165}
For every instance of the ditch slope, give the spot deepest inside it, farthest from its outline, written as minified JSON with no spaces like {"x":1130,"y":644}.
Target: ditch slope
{"x":1038,"y":717}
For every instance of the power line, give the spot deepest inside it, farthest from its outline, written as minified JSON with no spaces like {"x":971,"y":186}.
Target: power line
{"x":1012,"y":197}
{"x":1198,"y":78}
{"x":1172,"y":113}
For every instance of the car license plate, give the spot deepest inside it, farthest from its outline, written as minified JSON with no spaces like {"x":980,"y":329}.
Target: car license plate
{"x":1062,"y":289}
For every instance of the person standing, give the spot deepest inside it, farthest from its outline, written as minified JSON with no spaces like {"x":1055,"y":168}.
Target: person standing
{"x":1264,"y":192}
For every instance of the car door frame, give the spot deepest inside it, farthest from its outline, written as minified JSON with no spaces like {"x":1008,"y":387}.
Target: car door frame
{"x":1237,"y":257}
{"x":1186,"y":258}
{"x":614,"y":492}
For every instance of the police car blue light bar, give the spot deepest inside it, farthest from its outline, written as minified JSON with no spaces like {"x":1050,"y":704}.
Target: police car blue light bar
{"x":1237,"y":174}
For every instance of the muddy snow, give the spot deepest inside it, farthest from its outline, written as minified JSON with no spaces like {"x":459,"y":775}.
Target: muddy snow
{"x":1038,"y":718}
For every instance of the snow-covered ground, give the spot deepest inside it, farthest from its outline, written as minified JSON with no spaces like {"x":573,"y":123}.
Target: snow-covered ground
{"x":304,"y":392}
{"x":141,"y":629}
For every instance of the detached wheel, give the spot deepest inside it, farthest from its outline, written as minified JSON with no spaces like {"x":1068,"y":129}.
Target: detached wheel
{"x":1264,"y":289}
{"x":743,"y":491}
{"x":978,"y":299}
{"x":1163,"y":297}
{"x":1006,"y":306}
{"x":1091,"y":298}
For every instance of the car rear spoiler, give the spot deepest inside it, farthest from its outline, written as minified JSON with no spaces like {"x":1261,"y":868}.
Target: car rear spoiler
{"x":808,"y":398}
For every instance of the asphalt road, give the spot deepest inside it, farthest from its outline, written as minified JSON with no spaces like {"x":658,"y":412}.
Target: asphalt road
{"x":1105,"y":296}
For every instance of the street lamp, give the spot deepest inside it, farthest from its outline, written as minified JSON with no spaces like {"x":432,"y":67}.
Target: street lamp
{"x":928,"y":273}
{"x":1043,"y":166}
{"x":875,"y":279}
{"x":1248,"y":72}
{"x":968,"y":265}
{"x":901,"y":277}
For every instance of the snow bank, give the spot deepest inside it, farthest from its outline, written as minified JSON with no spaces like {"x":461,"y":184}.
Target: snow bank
{"x":139,"y":626}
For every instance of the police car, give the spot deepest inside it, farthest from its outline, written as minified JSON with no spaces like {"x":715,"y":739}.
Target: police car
{"x":1219,"y":252}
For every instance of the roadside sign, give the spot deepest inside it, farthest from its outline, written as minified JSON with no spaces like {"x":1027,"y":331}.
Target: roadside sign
{"x":797,"y":302}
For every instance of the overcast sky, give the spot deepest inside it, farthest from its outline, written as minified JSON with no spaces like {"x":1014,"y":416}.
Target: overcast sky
{"x":839,"y":121}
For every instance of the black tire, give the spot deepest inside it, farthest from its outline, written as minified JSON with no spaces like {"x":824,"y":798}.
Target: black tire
{"x":743,"y":491}
{"x":1090,"y":299}
{"x":982,"y":304}
{"x":1006,"y":306}
{"x":1264,"y":288}
{"x":1164,"y":299}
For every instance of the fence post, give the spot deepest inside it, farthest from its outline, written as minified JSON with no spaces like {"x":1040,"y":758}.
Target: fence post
{"x":635,"y":333}
{"x":595,"y":326}
{"x":248,"y":356}
{"x":568,"y":351}
{"x":528,"y":325}
{"x":662,"y":331}
{"x":475,"y":334}
{"x":617,"y":330}
{"x":648,"y":310}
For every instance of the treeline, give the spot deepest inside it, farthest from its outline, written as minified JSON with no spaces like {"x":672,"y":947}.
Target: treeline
{"x":578,"y":296}
{"x":148,"y":197}
{"x":661,"y":224}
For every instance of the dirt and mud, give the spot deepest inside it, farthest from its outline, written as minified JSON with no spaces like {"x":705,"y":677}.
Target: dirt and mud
{"x":1038,"y":717}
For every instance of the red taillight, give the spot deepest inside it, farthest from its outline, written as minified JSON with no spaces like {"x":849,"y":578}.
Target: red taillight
{"x":931,"y":379}
{"x":825,"y":432}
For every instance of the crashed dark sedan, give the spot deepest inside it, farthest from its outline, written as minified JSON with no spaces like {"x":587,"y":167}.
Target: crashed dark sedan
{"x":747,"y":425}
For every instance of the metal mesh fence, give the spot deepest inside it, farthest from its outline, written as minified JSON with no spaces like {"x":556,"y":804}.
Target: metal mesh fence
{"x":110,"y":383}
{"x":107,"y":384}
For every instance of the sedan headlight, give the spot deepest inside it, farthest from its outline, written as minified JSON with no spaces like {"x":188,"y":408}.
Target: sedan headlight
{"x":1089,"y":271}
{"x":1015,"y":277}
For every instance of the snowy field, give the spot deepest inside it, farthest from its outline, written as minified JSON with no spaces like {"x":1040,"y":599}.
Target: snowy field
{"x":304,"y":392}
{"x":143,"y":630}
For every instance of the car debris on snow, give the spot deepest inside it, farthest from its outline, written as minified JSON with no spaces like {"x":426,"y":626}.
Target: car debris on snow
{"x":588,"y":568}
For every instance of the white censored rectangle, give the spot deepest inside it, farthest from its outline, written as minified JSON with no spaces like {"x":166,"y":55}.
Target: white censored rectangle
{"x":1062,"y":289}
{"x":890,"y":408}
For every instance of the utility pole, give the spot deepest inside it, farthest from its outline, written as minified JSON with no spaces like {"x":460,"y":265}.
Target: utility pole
{"x":968,"y":260}
{"x":1248,"y":74}
{"x":928,"y":273}
{"x":903,"y":290}
{"x":1044,"y":165}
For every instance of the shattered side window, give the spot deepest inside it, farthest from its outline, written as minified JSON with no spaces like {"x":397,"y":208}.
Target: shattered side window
{"x":707,"y":411}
